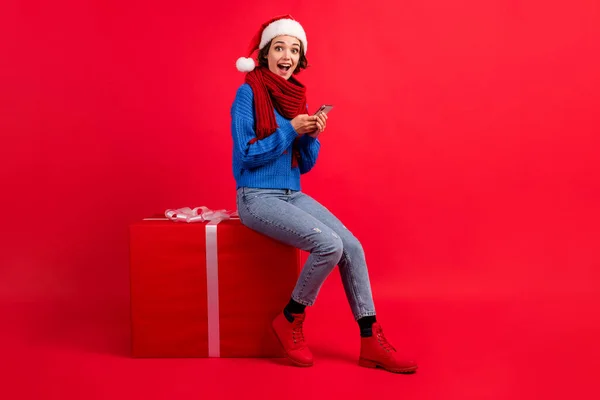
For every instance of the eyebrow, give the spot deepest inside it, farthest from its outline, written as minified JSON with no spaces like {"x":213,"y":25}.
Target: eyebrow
{"x":294,"y":44}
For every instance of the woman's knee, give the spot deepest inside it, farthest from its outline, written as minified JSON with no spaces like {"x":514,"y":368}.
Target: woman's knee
{"x":329,"y":245}
{"x":352,"y":245}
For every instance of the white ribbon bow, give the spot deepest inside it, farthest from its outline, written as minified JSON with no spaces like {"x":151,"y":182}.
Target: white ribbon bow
{"x":198,"y":214}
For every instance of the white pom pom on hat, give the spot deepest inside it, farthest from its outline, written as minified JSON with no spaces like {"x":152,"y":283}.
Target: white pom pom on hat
{"x":282,"y":25}
{"x":244,"y":64}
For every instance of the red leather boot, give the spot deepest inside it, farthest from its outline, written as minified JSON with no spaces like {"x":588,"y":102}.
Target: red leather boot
{"x":291,"y":337}
{"x":376,"y":351}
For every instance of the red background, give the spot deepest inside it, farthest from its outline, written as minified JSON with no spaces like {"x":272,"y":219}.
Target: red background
{"x":462,"y":151}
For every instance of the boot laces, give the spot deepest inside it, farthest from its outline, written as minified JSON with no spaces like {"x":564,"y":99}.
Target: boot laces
{"x":297,"y":332}
{"x":384,"y":342}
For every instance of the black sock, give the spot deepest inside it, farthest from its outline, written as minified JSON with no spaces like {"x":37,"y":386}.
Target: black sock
{"x":366,"y":325}
{"x":293,"y":307}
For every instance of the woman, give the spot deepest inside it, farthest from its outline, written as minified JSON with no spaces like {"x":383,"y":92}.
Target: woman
{"x":275,"y":141}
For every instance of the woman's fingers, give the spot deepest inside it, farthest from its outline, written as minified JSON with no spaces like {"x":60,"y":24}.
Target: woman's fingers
{"x":324,"y":121}
{"x":313,"y":123}
{"x":321,"y":121}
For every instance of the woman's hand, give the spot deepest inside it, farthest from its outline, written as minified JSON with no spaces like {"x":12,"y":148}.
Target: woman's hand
{"x":305,"y":123}
{"x":321,"y":124}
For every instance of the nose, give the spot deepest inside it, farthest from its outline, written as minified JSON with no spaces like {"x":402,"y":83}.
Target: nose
{"x":287,"y":54}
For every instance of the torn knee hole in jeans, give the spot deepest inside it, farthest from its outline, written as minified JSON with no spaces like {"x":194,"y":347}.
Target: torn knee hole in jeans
{"x":332,"y":233}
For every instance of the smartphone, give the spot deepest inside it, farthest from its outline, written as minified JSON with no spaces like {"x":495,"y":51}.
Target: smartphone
{"x":325,"y":108}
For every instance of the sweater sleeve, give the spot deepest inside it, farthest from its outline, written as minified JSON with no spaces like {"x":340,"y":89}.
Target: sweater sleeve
{"x":262,"y":151}
{"x":309,"y":150}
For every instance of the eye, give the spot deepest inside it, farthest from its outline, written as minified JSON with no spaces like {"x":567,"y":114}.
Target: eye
{"x":278,"y":48}
{"x":295,"y":51}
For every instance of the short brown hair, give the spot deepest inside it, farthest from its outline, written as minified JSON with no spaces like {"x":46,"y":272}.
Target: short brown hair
{"x":263,"y":55}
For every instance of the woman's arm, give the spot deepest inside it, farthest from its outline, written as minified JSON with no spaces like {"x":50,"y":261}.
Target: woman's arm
{"x":263,"y":151}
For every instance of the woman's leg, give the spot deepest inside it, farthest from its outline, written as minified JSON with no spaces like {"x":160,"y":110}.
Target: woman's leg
{"x":375,"y":350}
{"x":298,"y":220}
{"x":352,"y":265}
{"x":272,"y":213}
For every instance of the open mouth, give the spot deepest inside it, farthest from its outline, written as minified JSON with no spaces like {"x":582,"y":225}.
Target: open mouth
{"x":284,"y":67}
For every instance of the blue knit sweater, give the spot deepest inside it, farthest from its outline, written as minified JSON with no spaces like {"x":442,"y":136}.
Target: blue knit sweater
{"x":267,"y":163}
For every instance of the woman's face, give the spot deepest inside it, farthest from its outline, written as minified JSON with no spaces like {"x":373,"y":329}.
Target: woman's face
{"x":284,"y":55}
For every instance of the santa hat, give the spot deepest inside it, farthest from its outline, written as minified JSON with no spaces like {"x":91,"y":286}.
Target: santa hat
{"x":282,"y":25}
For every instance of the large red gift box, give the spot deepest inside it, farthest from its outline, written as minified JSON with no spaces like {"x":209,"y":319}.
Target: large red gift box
{"x":207,"y":289}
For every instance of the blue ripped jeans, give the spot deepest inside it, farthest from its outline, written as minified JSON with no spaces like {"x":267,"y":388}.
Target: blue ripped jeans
{"x":298,"y":220}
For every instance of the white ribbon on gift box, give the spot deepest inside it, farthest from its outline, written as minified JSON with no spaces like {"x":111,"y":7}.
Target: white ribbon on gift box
{"x":201,"y":214}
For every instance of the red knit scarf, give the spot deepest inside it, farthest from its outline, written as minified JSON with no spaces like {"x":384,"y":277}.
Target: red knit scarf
{"x":272,"y":92}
